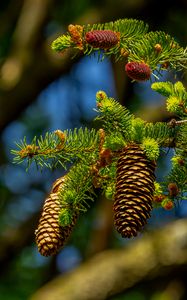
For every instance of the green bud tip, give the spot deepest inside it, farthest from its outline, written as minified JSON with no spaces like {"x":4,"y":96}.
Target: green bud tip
{"x":100,"y":96}
{"x":65,"y":217}
{"x":173,"y":104}
{"x":151,"y":148}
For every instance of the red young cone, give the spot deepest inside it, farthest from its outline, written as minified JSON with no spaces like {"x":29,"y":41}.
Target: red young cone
{"x":167,"y":204}
{"x":173,"y":189}
{"x":103,"y":39}
{"x":138,"y":71}
{"x":158,"y":198}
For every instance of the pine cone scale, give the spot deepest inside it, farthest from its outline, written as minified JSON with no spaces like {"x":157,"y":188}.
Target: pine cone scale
{"x":103,"y":39}
{"x":131,"y":180}
{"x":129,"y":212}
{"x":137,"y":189}
{"x":134,"y":190}
{"x":127,"y":178}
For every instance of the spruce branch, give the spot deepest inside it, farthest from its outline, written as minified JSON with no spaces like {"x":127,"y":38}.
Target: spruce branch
{"x":125,"y":38}
{"x":163,"y":88}
{"x":130,"y":28}
{"x":116,"y":117}
{"x":176,"y":94}
{"x":127,"y":27}
{"x":76,"y":192}
{"x":147,"y":50}
{"x":113,"y":115}
{"x":177,"y":175}
{"x":151,"y":148}
{"x":120,"y":158}
{"x":61,"y":43}
{"x":160,"y":131}
{"x":181,"y":139}
{"x":129,"y":31}
{"x":49,"y":151}
{"x":169,"y":89}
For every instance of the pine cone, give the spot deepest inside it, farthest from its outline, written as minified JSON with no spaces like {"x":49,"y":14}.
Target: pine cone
{"x":138,"y":71}
{"x":134,"y":191}
{"x":50,"y":236}
{"x":103,"y":39}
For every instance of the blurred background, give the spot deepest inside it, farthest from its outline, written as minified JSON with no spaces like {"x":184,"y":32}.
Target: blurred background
{"x":43,"y":91}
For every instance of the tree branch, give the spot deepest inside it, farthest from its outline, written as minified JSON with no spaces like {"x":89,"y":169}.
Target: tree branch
{"x":30,"y":67}
{"x":114,"y":271}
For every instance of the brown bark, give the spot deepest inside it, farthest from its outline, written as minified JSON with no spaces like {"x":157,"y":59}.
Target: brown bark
{"x":114,"y":271}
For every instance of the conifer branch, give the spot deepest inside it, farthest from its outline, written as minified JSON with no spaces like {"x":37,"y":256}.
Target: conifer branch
{"x":127,"y":27}
{"x":49,"y":151}
{"x":76,"y":192}
{"x":181,"y":139}
{"x":176,"y":94}
{"x":177,"y":175}
{"x":120,"y":157}
{"x":114,"y":116}
{"x":159,"y":131}
{"x":156,"y":49}
{"x":132,"y":40}
{"x":61,"y":43}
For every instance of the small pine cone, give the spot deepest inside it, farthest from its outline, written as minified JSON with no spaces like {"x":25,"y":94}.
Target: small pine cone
{"x":134,"y":191}
{"x":165,"y":65}
{"x":103,"y":39}
{"x":138,"y":71}
{"x":173,"y":189}
{"x":168,"y":204}
{"x":50,"y":236}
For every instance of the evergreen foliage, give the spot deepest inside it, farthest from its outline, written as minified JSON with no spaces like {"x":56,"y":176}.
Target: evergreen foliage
{"x":94,"y":155}
{"x":50,"y":150}
{"x":135,"y":44}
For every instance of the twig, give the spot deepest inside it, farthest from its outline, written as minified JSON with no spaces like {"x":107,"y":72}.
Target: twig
{"x":174,"y":122}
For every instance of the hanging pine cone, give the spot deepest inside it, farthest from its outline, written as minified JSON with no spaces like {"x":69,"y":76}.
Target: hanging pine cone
{"x":50,"y":236}
{"x":134,"y":191}
{"x":138,"y":71}
{"x":103,"y":39}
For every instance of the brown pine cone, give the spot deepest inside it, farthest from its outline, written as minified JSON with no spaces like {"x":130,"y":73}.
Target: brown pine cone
{"x":134,"y":191}
{"x":50,"y":236}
